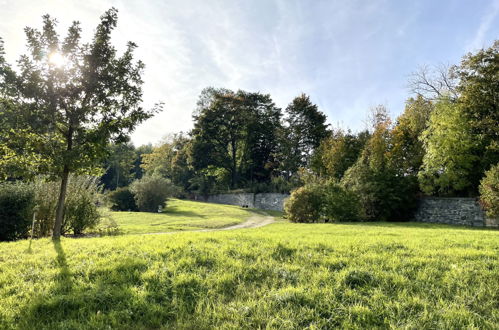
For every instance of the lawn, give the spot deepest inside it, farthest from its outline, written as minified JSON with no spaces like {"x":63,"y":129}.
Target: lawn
{"x":181,"y":215}
{"x":280,"y":276}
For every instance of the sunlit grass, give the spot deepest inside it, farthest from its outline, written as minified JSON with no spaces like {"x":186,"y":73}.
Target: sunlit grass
{"x":181,"y":215}
{"x":283,"y":275}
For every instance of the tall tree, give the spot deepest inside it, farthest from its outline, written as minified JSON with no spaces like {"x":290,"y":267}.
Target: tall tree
{"x":305,"y":128}
{"x":234,"y":131}
{"x":74,"y":99}
{"x":338,"y":153}
{"x":479,"y":100}
{"x":449,"y":160}
{"x":406,"y":154}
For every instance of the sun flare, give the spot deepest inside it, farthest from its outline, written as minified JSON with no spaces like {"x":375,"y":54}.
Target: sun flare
{"x":57,"y":59}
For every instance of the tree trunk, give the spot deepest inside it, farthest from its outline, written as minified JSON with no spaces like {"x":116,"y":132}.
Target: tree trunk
{"x":59,"y":213}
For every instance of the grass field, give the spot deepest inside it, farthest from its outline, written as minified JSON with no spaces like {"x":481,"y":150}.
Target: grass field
{"x":283,"y":276}
{"x":181,"y":215}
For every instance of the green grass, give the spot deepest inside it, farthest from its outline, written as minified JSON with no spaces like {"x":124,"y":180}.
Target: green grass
{"x":181,"y":215}
{"x":286,"y":276}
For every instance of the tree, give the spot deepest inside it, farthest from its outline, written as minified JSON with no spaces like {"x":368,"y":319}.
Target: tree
{"x":235,"y":131}
{"x":73,"y":99}
{"x":119,"y":166}
{"x":449,"y":161}
{"x":434,"y":82}
{"x":407,"y":150}
{"x":479,"y":100}
{"x":337,"y":153}
{"x":304,"y":130}
{"x":384,"y":193}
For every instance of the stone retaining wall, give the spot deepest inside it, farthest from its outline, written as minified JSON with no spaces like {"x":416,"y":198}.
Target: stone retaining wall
{"x":264,"y":201}
{"x":454,"y":211}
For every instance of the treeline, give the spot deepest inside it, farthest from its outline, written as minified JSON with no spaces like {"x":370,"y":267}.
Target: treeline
{"x":442,"y":144}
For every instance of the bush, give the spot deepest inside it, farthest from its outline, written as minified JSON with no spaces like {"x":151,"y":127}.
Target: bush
{"x":80,"y":208}
{"x":122,"y":199}
{"x":305,"y":204}
{"x":322,"y":201}
{"x":17,"y":201}
{"x":340,"y":204}
{"x":489,"y":192}
{"x":383,"y":195}
{"x":151,"y":192}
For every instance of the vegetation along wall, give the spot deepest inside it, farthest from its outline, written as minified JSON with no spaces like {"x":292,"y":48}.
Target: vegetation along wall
{"x":264,"y":201}
{"x":454,"y":211}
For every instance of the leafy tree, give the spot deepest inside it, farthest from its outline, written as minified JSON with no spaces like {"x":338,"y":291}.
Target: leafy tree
{"x":235,"y":131}
{"x":384,"y":194}
{"x":305,"y":128}
{"x":407,"y":151}
{"x":337,"y":153}
{"x":479,"y":101}
{"x":489,"y":191}
{"x":71,"y":100}
{"x":171,"y":160}
{"x":119,"y":166}
{"x":449,"y":161}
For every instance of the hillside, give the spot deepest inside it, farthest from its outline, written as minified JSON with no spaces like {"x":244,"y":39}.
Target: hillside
{"x":283,"y":275}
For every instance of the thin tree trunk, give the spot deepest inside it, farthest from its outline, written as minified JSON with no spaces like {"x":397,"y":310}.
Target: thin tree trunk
{"x":59,"y":214}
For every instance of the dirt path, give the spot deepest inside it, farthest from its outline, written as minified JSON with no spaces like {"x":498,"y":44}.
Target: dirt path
{"x":255,"y":221}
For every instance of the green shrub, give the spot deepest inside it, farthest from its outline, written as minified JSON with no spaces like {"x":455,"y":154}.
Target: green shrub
{"x":151,"y":192}
{"x":305,"y":204}
{"x":17,"y":201}
{"x":489,"y":192}
{"x":322,"y":201}
{"x":80,"y":208}
{"x":122,"y":199}
{"x":383,"y":194}
{"x":340,"y":204}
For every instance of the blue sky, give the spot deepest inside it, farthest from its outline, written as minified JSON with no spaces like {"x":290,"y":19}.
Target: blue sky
{"x":347,"y":55}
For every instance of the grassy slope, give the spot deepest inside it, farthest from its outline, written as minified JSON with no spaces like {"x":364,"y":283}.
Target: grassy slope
{"x":181,"y":215}
{"x":283,"y":275}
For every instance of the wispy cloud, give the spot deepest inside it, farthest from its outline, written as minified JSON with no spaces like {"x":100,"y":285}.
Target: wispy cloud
{"x":485,"y":26}
{"x":348,"y":55}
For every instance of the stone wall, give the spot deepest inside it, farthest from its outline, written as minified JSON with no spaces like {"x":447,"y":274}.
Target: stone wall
{"x":454,"y":211}
{"x":264,"y":201}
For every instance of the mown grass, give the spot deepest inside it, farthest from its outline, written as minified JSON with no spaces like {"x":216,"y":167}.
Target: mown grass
{"x":181,"y":215}
{"x":283,"y":276}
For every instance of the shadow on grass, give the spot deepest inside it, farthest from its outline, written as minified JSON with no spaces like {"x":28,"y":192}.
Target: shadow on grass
{"x":173,"y":210}
{"x":111,"y":295}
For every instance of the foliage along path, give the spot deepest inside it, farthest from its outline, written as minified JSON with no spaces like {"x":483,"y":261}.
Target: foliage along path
{"x":255,"y":221}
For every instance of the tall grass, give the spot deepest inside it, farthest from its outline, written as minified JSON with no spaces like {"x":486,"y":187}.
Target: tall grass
{"x":281,"y":276}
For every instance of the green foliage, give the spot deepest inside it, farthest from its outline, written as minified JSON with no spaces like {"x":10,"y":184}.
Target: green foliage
{"x":66,"y":114}
{"x":449,"y":161}
{"x":151,"y":192}
{"x":489,"y":191}
{"x":339,"y":204}
{"x":383,"y":192}
{"x":479,"y":100}
{"x":122,"y":199}
{"x":338,"y":153}
{"x":305,"y":204}
{"x":305,"y":127}
{"x":17,"y":201}
{"x":407,"y":150}
{"x":285,"y":276}
{"x":119,"y":166}
{"x":235,"y":131}
{"x":80,"y":207}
